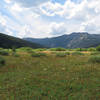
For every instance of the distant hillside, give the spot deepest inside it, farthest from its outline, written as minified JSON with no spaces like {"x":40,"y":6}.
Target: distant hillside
{"x":74,"y":40}
{"x":9,"y":42}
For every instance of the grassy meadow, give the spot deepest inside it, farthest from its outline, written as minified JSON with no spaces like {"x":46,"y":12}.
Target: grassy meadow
{"x":50,"y":75}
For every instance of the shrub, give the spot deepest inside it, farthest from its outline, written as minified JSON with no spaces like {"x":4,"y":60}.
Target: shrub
{"x":4,"y":53}
{"x":57,"y":49}
{"x":60,"y":49}
{"x":26,"y":49}
{"x":80,"y":49}
{"x":91,"y":49}
{"x":2,"y":61}
{"x":13,"y":49}
{"x":52,"y":49}
{"x":98,"y":48}
{"x":67,"y":53}
{"x":1,"y":48}
{"x":38,"y":54}
{"x":16,"y":55}
{"x":94,"y":59}
{"x":95,"y":53}
{"x":42,"y":54}
{"x":61,"y":54}
{"x":77,"y":53}
{"x":41,"y":49}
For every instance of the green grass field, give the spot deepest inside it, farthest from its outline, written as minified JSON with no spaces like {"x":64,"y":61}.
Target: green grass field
{"x":49,"y":78}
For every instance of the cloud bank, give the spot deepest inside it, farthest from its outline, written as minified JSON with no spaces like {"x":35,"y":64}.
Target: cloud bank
{"x":47,"y":18}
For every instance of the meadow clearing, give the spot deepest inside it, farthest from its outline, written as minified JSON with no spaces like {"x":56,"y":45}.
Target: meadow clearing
{"x":49,"y":75}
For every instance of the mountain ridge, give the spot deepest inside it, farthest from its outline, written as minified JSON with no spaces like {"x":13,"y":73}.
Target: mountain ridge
{"x":73,"y":40}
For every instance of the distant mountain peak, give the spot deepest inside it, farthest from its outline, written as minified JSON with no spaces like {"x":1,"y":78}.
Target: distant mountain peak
{"x":80,"y":33}
{"x":73,"y":40}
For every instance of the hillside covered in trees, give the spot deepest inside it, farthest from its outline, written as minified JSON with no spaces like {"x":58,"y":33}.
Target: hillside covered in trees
{"x":7,"y":41}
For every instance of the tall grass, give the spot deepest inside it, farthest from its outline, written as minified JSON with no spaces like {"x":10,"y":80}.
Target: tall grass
{"x":77,"y":53}
{"x":4,"y":53}
{"x":61,"y":54}
{"x":2,"y":61}
{"x":49,"y":78}
{"x":57,"y":49}
{"x":37,"y":54}
{"x":95,"y":53}
{"x":94,"y":59}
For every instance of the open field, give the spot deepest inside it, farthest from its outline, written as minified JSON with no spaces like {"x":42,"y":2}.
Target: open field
{"x":49,"y":77}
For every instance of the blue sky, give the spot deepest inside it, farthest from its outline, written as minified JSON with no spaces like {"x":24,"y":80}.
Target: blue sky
{"x":48,"y":18}
{"x":59,"y":1}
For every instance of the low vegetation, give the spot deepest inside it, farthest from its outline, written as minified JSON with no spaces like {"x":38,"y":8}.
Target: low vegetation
{"x":98,"y":48}
{"x":68,"y":53}
{"x":35,"y":54}
{"x":61,"y":54}
{"x":91,"y":49}
{"x":95,"y":53}
{"x":57,"y":49}
{"x":77,"y":53}
{"x":4,"y":53}
{"x":2,"y":61}
{"x":16,"y":55}
{"x":94,"y":59}
{"x":43,"y":75}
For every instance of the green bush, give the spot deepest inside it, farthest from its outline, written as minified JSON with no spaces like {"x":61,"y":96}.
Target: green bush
{"x":67,"y":53}
{"x":98,"y":48}
{"x":95,"y":53}
{"x":13,"y":49}
{"x":38,"y":54}
{"x":80,"y":49}
{"x":94,"y":59}
{"x":61,"y":54}
{"x":91,"y":49}
{"x":77,"y":53}
{"x":41,"y":49}
{"x":4,"y":53}
{"x":1,"y":48}
{"x":16,"y":55}
{"x":57,"y":49}
{"x":26,"y":49}
{"x":52,"y":49}
{"x":60,"y":49}
{"x":2,"y":61}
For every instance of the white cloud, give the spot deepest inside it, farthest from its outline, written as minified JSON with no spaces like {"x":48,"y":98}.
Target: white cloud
{"x":16,"y":8}
{"x":51,"y":9}
{"x":57,"y":28}
{"x":92,"y":25}
{"x":77,"y":14}
{"x":70,"y":9}
{"x":42,"y":18}
{"x":7,"y":1}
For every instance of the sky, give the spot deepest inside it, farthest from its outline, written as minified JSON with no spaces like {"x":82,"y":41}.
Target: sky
{"x":49,"y":18}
